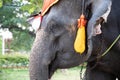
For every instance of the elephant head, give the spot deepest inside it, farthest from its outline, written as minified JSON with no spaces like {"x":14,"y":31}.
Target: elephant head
{"x":53,"y":47}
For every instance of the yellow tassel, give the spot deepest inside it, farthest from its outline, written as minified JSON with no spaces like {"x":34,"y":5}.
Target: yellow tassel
{"x":79,"y":44}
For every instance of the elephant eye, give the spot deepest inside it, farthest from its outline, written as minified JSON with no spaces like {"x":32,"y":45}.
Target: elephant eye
{"x":55,"y":28}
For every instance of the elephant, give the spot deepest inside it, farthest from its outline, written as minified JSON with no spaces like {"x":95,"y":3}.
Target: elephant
{"x":53,"y":46}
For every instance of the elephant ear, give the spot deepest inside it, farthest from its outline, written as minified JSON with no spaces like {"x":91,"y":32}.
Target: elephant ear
{"x":100,"y":11}
{"x":35,"y":21}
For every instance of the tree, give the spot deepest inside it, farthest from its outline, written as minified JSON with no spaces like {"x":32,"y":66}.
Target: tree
{"x":1,"y":3}
{"x":13,"y":15}
{"x":34,"y":6}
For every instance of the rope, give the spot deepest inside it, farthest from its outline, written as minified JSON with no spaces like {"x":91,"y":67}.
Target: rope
{"x":83,"y":5}
{"x":81,"y":72}
{"x":82,"y":66}
{"x":111,"y":46}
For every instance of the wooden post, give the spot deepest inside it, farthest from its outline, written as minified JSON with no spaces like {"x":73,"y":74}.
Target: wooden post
{"x":3,"y":45}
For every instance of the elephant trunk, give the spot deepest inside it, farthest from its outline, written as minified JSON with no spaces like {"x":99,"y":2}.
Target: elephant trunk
{"x":40,"y":57}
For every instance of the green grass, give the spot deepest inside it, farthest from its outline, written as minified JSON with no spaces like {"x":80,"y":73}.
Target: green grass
{"x":68,"y":74}
{"x":22,"y":74}
{"x":14,"y":74}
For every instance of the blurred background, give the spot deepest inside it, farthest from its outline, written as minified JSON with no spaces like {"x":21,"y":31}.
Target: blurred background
{"x":16,"y":39}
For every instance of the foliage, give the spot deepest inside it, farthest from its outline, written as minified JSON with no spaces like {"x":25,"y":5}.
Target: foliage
{"x":13,"y":15}
{"x":1,"y":3}
{"x":33,"y":7}
{"x":0,"y":45}
{"x":24,"y":40}
{"x":15,"y":12}
{"x":13,"y":60}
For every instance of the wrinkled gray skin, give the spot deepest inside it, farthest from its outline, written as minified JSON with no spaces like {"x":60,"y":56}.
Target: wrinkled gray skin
{"x":53,"y":47}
